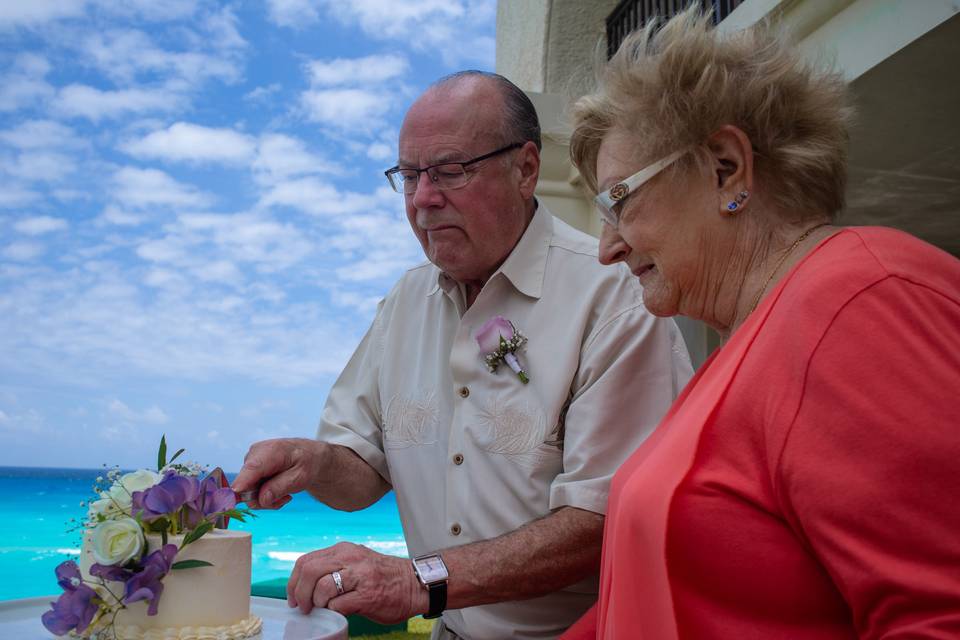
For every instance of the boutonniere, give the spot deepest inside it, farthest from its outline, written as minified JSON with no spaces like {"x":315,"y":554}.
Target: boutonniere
{"x":499,"y":341}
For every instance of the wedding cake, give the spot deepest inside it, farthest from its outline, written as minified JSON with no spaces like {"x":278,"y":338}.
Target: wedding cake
{"x":201,"y":603}
{"x":157,"y":560}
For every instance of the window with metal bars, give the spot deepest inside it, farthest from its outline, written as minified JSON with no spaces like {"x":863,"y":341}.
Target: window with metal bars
{"x":632,"y":14}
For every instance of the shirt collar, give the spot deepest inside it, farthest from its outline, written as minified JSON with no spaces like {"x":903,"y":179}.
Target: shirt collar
{"x":526,"y":264}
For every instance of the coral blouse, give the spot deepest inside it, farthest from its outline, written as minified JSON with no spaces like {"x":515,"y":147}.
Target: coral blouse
{"x":806,"y":484}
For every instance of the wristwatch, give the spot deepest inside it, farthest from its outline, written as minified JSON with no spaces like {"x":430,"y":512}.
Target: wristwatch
{"x":433,"y":575}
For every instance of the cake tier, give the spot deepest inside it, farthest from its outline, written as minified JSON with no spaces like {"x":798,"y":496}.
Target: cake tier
{"x":246,"y":629}
{"x":201,"y":597}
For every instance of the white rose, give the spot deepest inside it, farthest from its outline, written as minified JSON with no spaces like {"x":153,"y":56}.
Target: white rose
{"x":138,"y":481}
{"x":121,"y":493}
{"x":102,"y":507}
{"x":117,"y":541}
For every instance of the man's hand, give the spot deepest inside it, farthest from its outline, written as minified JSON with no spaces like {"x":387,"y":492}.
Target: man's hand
{"x":380,"y":587}
{"x":279,"y":468}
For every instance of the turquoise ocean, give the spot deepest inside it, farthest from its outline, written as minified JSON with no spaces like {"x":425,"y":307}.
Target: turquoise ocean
{"x":37,"y":504}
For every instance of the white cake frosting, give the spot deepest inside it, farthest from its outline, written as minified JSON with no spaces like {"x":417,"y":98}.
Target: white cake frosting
{"x":201,"y":603}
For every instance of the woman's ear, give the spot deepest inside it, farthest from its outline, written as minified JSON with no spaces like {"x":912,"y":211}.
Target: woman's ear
{"x":733,"y":166}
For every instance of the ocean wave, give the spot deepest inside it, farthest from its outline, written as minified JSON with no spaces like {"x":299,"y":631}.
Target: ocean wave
{"x":389,"y":547}
{"x":42,"y":551}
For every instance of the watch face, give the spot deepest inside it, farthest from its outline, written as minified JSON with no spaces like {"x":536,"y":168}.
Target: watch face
{"x":431,"y":569}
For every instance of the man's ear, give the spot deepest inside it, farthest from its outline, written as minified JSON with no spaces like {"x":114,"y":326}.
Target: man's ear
{"x":732,"y":156}
{"x":528,"y":164}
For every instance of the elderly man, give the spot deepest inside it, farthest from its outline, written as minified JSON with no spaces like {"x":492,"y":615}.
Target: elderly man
{"x":501,"y":483}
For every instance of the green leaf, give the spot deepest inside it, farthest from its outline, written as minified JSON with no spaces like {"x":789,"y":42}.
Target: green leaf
{"x":204,"y":527}
{"x":163,"y":537}
{"x":176,"y":455}
{"x":190,"y":564}
{"x":240,"y":515}
{"x":162,"y":453}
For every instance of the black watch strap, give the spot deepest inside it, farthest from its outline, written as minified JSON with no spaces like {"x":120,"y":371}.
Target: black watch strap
{"x":438,"y":599}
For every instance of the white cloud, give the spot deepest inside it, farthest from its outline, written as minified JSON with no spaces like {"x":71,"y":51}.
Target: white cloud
{"x":39,"y":166}
{"x":23,"y":251}
{"x":24,"y":83}
{"x":262,"y":93}
{"x":375,"y":247}
{"x":347,"y":109}
{"x":13,"y":195}
{"x":367,"y":71}
{"x":39,"y":134}
{"x":183,"y":141}
{"x":100,"y":321}
{"x":31,"y":13}
{"x":79,"y":100}
{"x":126,"y":54}
{"x":39,"y":225}
{"x":316,"y":197}
{"x":139,"y":188}
{"x":292,"y":13}
{"x":381,"y":151}
{"x":150,"y":415}
{"x":443,"y":27}
{"x":112,"y":215}
{"x":167,"y":10}
{"x":280,"y":157}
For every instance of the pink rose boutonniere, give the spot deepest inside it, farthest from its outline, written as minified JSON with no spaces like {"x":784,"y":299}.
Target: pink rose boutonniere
{"x":499,"y":341}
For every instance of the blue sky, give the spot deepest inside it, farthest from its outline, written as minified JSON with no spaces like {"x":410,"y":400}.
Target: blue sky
{"x":194,"y":224}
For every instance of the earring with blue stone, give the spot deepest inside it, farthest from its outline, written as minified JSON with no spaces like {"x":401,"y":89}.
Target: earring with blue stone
{"x":735,"y":204}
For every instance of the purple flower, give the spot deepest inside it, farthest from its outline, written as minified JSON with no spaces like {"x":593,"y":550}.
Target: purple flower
{"x":165,"y":497}
{"x":212,"y":500}
{"x":75,"y":608}
{"x":146,"y":584}
{"x":491,"y":332}
{"x":110,"y":572}
{"x":68,"y":575}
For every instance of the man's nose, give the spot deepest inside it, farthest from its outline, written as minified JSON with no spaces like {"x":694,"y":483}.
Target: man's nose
{"x":613,"y":248}
{"x":427,"y":193}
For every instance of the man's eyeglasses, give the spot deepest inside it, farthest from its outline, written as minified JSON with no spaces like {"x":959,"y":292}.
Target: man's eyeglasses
{"x":444,"y":176}
{"x":608,"y":202}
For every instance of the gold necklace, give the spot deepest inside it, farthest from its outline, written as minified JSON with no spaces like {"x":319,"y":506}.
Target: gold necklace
{"x":780,"y":262}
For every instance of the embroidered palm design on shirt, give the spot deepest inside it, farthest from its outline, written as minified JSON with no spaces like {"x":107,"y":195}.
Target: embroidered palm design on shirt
{"x":513,"y":430}
{"x":410,"y":420}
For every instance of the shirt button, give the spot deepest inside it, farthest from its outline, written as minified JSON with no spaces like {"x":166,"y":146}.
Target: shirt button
{"x":464,"y":392}
{"x":455,"y":528}
{"x":458,"y":458}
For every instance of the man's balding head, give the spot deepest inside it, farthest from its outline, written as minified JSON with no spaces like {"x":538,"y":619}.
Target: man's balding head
{"x":469,"y":228}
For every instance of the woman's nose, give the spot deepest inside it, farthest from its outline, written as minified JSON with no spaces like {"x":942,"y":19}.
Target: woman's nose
{"x":613,"y":248}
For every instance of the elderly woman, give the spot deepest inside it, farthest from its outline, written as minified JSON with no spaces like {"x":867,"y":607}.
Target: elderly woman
{"x":806,"y":483}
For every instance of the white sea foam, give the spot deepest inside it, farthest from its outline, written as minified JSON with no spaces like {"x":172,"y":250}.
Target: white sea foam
{"x":389,"y":547}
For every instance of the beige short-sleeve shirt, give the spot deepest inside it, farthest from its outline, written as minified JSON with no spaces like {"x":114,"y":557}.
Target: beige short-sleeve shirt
{"x":473,"y":455}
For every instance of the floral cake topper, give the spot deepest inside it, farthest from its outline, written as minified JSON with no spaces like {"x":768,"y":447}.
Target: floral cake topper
{"x":499,"y":341}
{"x":172,"y":500}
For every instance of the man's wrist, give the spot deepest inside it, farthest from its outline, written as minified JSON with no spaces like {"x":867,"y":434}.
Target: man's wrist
{"x":431,"y":572}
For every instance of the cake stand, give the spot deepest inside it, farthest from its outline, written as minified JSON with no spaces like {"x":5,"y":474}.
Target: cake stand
{"x":20,"y":619}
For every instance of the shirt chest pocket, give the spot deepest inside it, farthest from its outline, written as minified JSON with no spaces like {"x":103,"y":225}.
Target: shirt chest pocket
{"x":516,"y":430}
{"x":411,"y":419}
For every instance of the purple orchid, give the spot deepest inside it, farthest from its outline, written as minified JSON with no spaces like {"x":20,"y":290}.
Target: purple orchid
{"x":211,"y":501}
{"x":166,"y":497}
{"x":68,"y":575}
{"x":75,"y":608}
{"x":110,"y":572}
{"x":146,"y":584}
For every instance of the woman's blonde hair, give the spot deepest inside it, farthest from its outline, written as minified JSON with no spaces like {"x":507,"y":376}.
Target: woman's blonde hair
{"x":669,"y":89}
